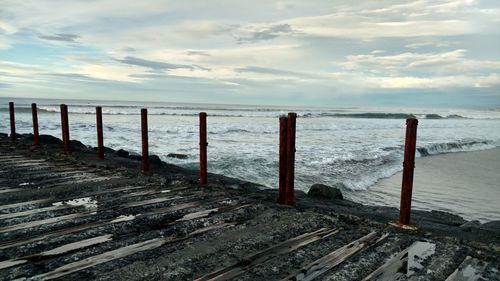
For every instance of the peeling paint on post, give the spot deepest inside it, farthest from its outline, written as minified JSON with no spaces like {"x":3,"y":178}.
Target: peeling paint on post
{"x":12,"y":122}
{"x":282,"y":160}
{"x":100,"y":140}
{"x":34,"y":113}
{"x":408,"y":166}
{"x":290,"y":158}
{"x":145,"y":145}
{"x":203,"y":148}
{"x":65,"y":128}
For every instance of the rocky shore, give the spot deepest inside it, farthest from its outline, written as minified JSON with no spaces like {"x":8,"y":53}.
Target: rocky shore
{"x":164,"y":226}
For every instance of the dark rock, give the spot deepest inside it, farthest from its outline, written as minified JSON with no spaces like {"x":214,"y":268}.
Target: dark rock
{"x":48,"y":139}
{"x":468,"y":226}
{"x":4,"y":135}
{"x":325,"y":191}
{"x":491,"y":226}
{"x":122,"y":153}
{"x":177,"y":155}
{"x":77,"y":145}
{"x":135,"y":157}
{"x":155,"y":159}
{"x":108,"y":150}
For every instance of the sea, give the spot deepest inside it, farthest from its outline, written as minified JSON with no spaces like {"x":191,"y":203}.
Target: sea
{"x":352,"y":146}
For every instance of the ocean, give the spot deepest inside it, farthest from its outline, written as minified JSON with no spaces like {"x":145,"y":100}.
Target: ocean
{"x":355,"y":146}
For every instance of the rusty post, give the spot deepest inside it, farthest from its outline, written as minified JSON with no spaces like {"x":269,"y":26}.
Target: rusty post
{"x":290,"y":158}
{"x":65,"y":128}
{"x":408,"y":166}
{"x":145,"y":145}
{"x":100,"y":140}
{"x":282,"y":160}
{"x":12,"y":122}
{"x":34,"y":113}
{"x":203,"y":148}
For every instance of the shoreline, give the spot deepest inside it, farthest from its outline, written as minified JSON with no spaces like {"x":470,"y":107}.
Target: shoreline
{"x":121,"y":159}
{"x":201,"y":229}
{"x":444,"y":182}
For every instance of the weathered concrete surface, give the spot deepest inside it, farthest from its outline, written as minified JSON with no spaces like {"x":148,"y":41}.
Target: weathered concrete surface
{"x":77,"y":218}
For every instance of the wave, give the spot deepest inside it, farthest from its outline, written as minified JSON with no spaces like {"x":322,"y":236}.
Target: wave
{"x":190,"y":111}
{"x":442,"y":148}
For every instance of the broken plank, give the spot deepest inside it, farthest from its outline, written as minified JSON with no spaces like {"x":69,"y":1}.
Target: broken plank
{"x":249,"y":261}
{"x":121,"y":253}
{"x":326,"y":263}
{"x":469,"y":270}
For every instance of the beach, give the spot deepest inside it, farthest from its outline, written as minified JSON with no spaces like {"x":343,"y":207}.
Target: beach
{"x":463,"y":183}
{"x":351,"y":147}
{"x":76,"y":217}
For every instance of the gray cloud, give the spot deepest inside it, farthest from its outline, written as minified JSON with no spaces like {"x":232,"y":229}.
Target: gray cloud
{"x":64,"y":37}
{"x":154,"y":65}
{"x":5,"y":85}
{"x":267,"y":33}
{"x":273,"y":71}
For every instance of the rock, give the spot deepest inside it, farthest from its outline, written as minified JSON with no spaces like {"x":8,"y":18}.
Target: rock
{"x":177,"y":155}
{"x":325,"y":191}
{"x":122,"y":153}
{"x":77,"y":145}
{"x":4,"y":135}
{"x":446,"y":218}
{"x":135,"y":157}
{"x":155,"y":159}
{"x":491,"y":226}
{"x":468,"y":226}
{"x":48,"y":139}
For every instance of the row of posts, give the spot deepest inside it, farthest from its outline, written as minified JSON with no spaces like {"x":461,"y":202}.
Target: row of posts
{"x":287,"y":128}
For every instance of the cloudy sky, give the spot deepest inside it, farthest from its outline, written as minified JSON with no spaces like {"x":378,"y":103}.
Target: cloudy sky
{"x":424,"y":52}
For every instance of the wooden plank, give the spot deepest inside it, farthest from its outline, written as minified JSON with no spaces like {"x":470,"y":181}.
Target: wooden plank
{"x":326,"y":263}
{"x":404,"y":263}
{"x":270,"y":253}
{"x":122,"y":252}
{"x":52,"y":200}
{"x":469,"y":270}
{"x":59,"y":250}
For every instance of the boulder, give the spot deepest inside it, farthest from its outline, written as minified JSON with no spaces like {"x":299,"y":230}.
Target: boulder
{"x":325,"y":191}
{"x":177,"y":155}
{"x":470,"y":225}
{"x":77,"y":145}
{"x":491,"y":226}
{"x":122,"y":153}
{"x":155,"y":160}
{"x":48,"y":139}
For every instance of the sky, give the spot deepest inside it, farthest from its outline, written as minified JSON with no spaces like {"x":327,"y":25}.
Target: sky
{"x":443,"y":53}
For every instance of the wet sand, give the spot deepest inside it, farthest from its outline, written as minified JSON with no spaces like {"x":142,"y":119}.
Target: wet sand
{"x":464,"y":183}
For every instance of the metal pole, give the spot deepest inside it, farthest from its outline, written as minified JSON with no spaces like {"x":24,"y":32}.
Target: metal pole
{"x":34,"y":113}
{"x":282,"y":160}
{"x":408,"y":166}
{"x":203,"y":148}
{"x":65,"y":128}
{"x":100,"y":140}
{"x":145,"y":145}
{"x":12,"y":122}
{"x":290,"y":158}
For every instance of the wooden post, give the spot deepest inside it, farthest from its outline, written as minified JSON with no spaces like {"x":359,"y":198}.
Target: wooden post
{"x":282,"y":160}
{"x":34,"y":113}
{"x":145,"y":144}
{"x":12,"y":122}
{"x":408,"y":166}
{"x":203,"y":148}
{"x":100,"y":140}
{"x":290,"y":158}
{"x":65,"y":128}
